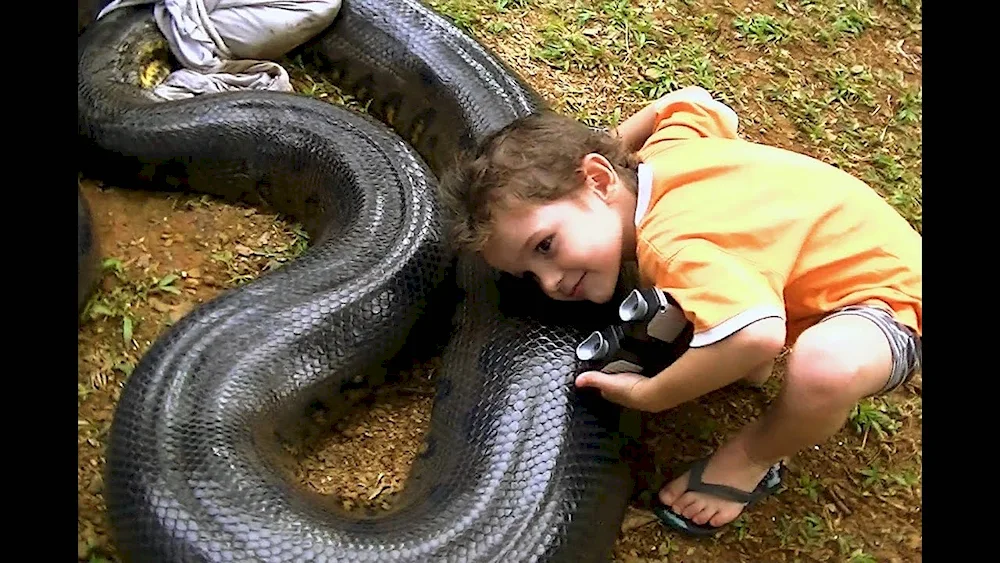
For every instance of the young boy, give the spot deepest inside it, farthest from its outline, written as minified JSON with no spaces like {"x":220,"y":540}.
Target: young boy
{"x":762,"y":248}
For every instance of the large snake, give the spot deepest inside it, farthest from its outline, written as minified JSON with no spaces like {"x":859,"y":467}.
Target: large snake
{"x":519,"y":465}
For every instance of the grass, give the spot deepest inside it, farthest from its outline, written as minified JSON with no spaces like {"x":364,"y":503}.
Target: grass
{"x":802,"y":59}
{"x":119,"y":306}
{"x":144,"y":288}
{"x":839,"y":80}
{"x":244,"y":264}
{"x":835,"y":79}
{"x":134,"y":293}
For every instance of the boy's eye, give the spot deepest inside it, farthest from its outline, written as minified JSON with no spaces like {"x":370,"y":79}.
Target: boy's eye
{"x":545,"y":245}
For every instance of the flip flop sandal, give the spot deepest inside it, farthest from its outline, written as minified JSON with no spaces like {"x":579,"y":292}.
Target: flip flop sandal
{"x":768,"y":485}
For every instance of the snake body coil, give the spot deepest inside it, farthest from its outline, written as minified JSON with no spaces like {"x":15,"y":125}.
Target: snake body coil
{"x":519,"y":466}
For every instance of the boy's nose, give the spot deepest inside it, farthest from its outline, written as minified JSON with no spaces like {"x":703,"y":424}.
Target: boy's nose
{"x":549,"y":280}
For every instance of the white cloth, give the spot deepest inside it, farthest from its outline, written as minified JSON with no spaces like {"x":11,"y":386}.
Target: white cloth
{"x":224,"y":44}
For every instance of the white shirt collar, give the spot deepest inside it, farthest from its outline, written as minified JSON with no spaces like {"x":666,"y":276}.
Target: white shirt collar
{"x":645,"y":173}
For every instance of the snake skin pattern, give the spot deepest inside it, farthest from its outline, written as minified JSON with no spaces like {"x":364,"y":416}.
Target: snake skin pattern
{"x":519,"y":466}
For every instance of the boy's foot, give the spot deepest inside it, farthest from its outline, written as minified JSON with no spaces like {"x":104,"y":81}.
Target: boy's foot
{"x":740,"y":482}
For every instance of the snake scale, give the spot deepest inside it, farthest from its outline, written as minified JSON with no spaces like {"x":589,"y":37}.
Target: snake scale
{"x":518,"y":465}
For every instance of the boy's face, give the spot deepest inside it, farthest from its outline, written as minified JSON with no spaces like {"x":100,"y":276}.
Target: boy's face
{"x":572,"y":246}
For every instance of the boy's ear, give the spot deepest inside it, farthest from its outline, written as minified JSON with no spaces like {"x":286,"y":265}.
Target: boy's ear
{"x":599,"y":175}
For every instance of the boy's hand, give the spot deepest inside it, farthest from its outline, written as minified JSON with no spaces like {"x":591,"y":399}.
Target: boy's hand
{"x":624,"y":388}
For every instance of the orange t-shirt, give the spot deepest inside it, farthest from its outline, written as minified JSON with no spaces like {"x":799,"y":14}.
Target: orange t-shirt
{"x":736,"y":231}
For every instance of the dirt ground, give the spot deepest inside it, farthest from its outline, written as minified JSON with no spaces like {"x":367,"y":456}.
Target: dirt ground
{"x":856,"y":498}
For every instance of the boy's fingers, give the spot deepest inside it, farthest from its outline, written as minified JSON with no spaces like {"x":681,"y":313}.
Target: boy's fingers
{"x":614,"y":387}
{"x":587,"y":379}
{"x":595,"y":379}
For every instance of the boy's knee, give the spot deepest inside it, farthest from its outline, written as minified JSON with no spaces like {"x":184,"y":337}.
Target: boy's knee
{"x":817,"y":366}
{"x":833,"y":371}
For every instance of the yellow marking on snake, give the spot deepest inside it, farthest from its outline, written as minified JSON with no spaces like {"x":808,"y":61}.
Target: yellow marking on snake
{"x":153,"y":74}
{"x":418,"y":130}
{"x":154,"y":66}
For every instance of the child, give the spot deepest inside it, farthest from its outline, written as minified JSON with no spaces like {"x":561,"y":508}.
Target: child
{"x":762,"y":248}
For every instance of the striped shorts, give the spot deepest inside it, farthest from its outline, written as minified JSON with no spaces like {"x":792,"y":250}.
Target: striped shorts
{"x":907,"y":347}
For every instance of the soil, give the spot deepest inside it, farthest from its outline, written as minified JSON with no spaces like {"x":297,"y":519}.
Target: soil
{"x":855,"y":498}
{"x":366,"y":457}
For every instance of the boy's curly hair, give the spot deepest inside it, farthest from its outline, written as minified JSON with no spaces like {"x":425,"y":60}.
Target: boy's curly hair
{"x":535,"y":158}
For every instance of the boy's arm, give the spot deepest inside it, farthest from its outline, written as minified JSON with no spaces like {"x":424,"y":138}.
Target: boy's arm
{"x":714,"y":118}
{"x":636,"y":129}
{"x":739,"y":323}
{"x":696,"y":372}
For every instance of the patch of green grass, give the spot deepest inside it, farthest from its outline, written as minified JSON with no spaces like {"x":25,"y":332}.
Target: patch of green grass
{"x":120,"y":302}
{"x":839,"y":111}
{"x":743,"y":526}
{"x":462,"y":12}
{"x":245,"y":264}
{"x":853,"y":18}
{"x":497,"y":27}
{"x":906,"y":478}
{"x":869,"y":415}
{"x":910,"y":107}
{"x":833,"y":20}
{"x":800,"y":532}
{"x":873,"y":475}
{"x":761,"y":29}
{"x":300,"y":243}
{"x":82,"y":392}
{"x":689,"y":64}
{"x":851,"y":551}
{"x":807,"y":8}
{"x":860,"y":556}
{"x":879,"y":477}
{"x":666,"y":547}
{"x":706,"y":429}
{"x":567,"y":48}
{"x":623,"y":13}
{"x":886,"y":166}
{"x":659,"y":78}
{"x":707,"y":23}
{"x":808,"y":486}
{"x":802,"y":106}
{"x":811,"y":529}
{"x":847,"y":86}
{"x":913,"y":6}
{"x":587,"y":36}
{"x":504,"y":5}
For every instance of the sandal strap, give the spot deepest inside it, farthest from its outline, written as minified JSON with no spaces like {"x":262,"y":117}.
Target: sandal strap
{"x":695,"y":484}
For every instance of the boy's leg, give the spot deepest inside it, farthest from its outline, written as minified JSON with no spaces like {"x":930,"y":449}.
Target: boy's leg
{"x":854,"y":353}
{"x":759,"y":375}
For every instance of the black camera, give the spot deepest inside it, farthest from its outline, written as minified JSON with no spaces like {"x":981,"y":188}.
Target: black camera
{"x":651,"y":321}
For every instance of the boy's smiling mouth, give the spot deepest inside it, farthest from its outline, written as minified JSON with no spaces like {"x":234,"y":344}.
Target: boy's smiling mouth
{"x":578,"y":288}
